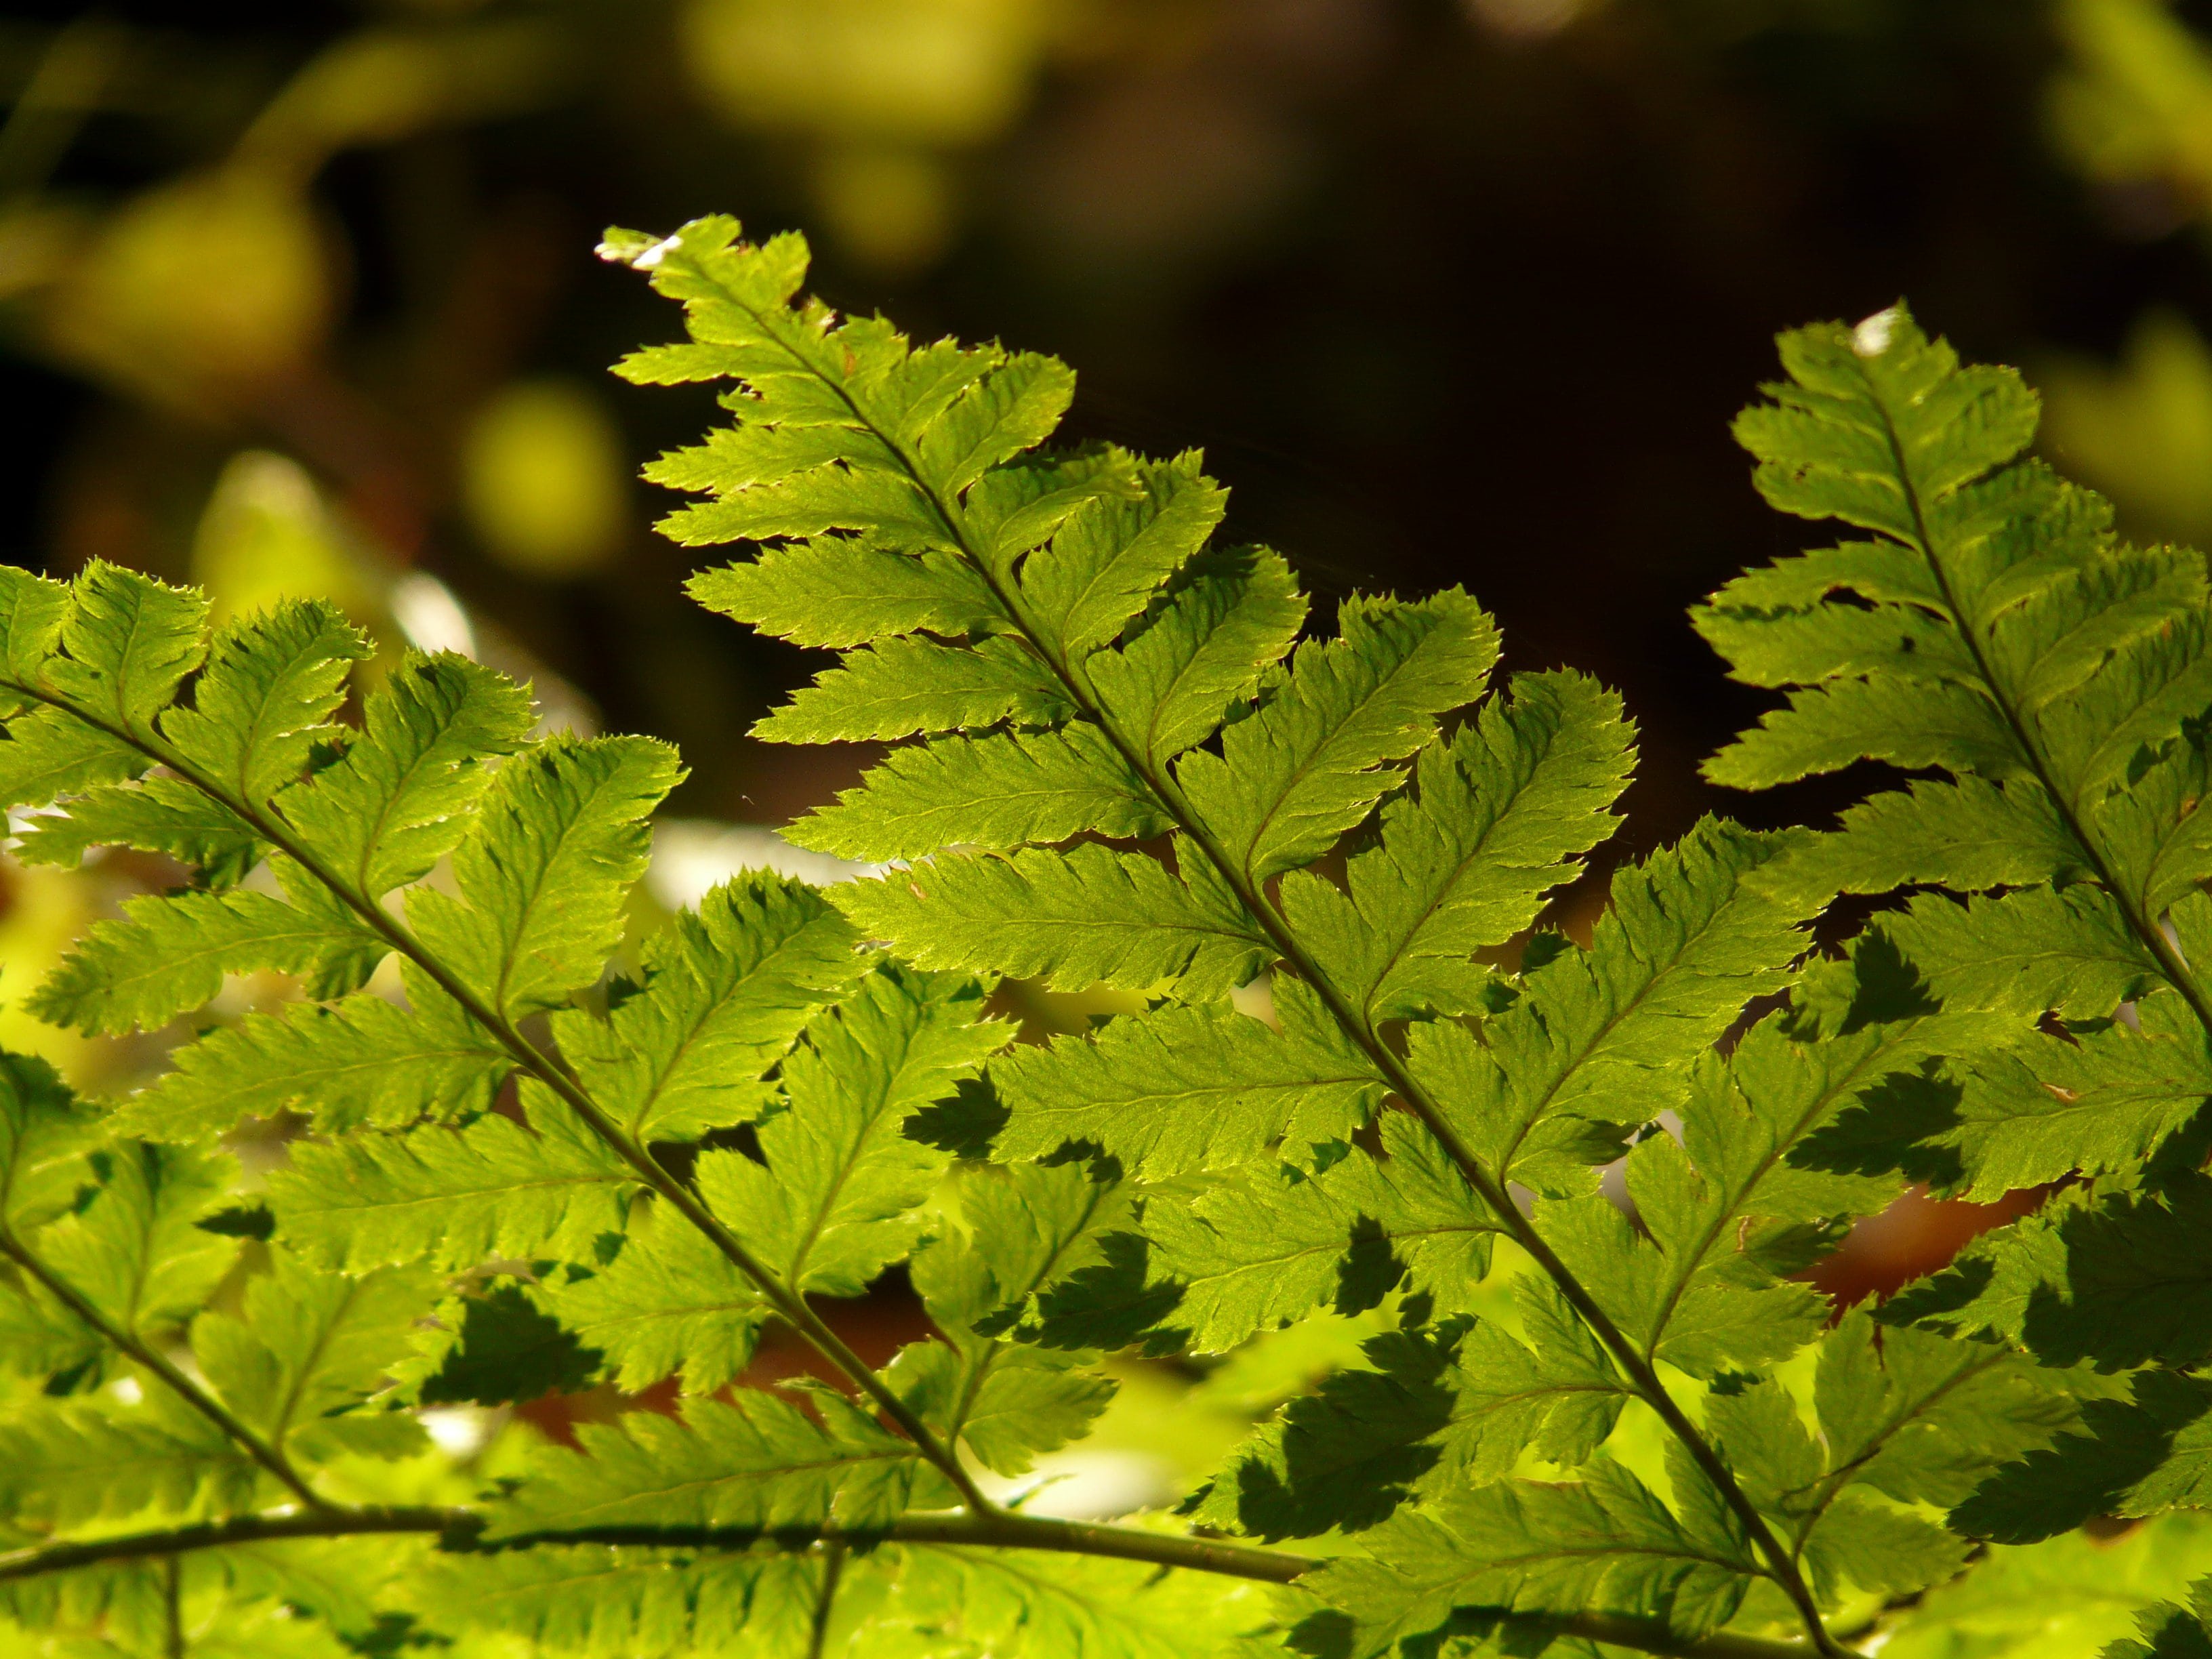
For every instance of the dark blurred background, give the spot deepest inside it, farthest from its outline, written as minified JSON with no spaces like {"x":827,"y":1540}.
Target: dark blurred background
{"x":302,"y":296}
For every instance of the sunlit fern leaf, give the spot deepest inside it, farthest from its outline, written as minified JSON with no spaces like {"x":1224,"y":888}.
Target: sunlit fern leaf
{"x":1204,"y":1273}
{"x":1000,"y":790}
{"x":1521,"y":1548}
{"x":1202,"y":653}
{"x":62,"y":1463}
{"x":1556,"y":1077}
{"x":1431,"y":1411}
{"x":600,"y":1602}
{"x":358,"y":1061}
{"x":454,"y":1197}
{"x":1501,"y":812}
{"x":1092,"y":915}
{"x":901,"y":687}
{"x":835,"y":1196}
{"x":399,"y":798}
{"x":757,"y":1464}
{"x":135,"y":1251}
{"x":722,"y":992}
{"x":45,"y":1134}
{"x":311,"y":1348}
{"x":543,"y":872}
{"x":1007,"y":1402}
{"x":1031,"y":1603}
{"x":1190,"y":1088}
{"x":2119,"y":1278}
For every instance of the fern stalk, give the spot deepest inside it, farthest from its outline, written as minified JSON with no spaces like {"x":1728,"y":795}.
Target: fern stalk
{"x":1003,"y":1529}
{"x":1170,"y":797}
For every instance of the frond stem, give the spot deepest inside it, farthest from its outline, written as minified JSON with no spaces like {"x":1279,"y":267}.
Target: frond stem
{"x":825,"y":1603}
{"x":458,"y":1529}
{"x":790,"y":1305}
{"x":270,"y":1457}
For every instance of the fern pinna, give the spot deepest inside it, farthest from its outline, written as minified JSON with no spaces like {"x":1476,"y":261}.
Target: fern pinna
{"x":1581,"y":1424}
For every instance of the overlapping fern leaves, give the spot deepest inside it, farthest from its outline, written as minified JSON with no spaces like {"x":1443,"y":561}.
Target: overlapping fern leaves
{"x":485,"y":1205}
{"x":1126,"y":755}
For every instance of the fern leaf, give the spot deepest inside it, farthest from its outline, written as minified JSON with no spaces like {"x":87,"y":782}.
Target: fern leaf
{"x":1090,"y":916}
{"x":1735,"y":1206}
{"x":2120,"y":1280}
{"x":63,"y":1464}
{"x":1114,"y":550}
{"x":1005,"y":789}
{"x":544,"y":872}
{"x":310,"y":1349}
{"x":454,"y":1197}
{"x":2102,"y":1102}
{"x":723,"y":992}
{"x":1513,"y":1547}
{"x":1312,"y":763}
{"x":1430,"y":1412}
{"x":1009,"y":1601}
{"x":1502,"y":811}
{"x":1691,"y":935}
{"x":1190,"y":1089}
{"x":669,"y":1304}
{"x":1231,"y":619}
{"x":362,"y":1060}
{"x":1007,"y":1403}
{"x":44,"y":1137}
{"x":758,"y":1464}
{"x":271,"y":685}
{"x":1205,"y":1274}
{"x":170,"y":953}
{"x":32,"y":610}
{"x":599,"y":1602}
{"x":834,"y":1200}
{"x":905,"y":686}
{"x":159,"y":814}
{"x":127,"y":641}
{"x":838,"y":592}
{"x":397,"y":800}
{"x":136,"y":1251}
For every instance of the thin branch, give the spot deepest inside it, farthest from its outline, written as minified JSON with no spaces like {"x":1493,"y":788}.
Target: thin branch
{"x":825,"y":1602}
{"x":790,"y":1305}
{"x":458,"y":1530}
{"x":270,"y":1457}
{"x":1781,"y":1564}
{"x":173,"y":1603}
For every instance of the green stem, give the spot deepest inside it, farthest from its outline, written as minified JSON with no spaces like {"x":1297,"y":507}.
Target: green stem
{"x":269,"y":1457}
{"x":457,"y":1530}
{"x":825,"y":1602}
{"x":173,"y":1603}
{"x":1781,"y":1564}
{"x":789,"y":1304}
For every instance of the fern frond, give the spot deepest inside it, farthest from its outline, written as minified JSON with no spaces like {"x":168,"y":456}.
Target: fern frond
{"x":1173,"y":710}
